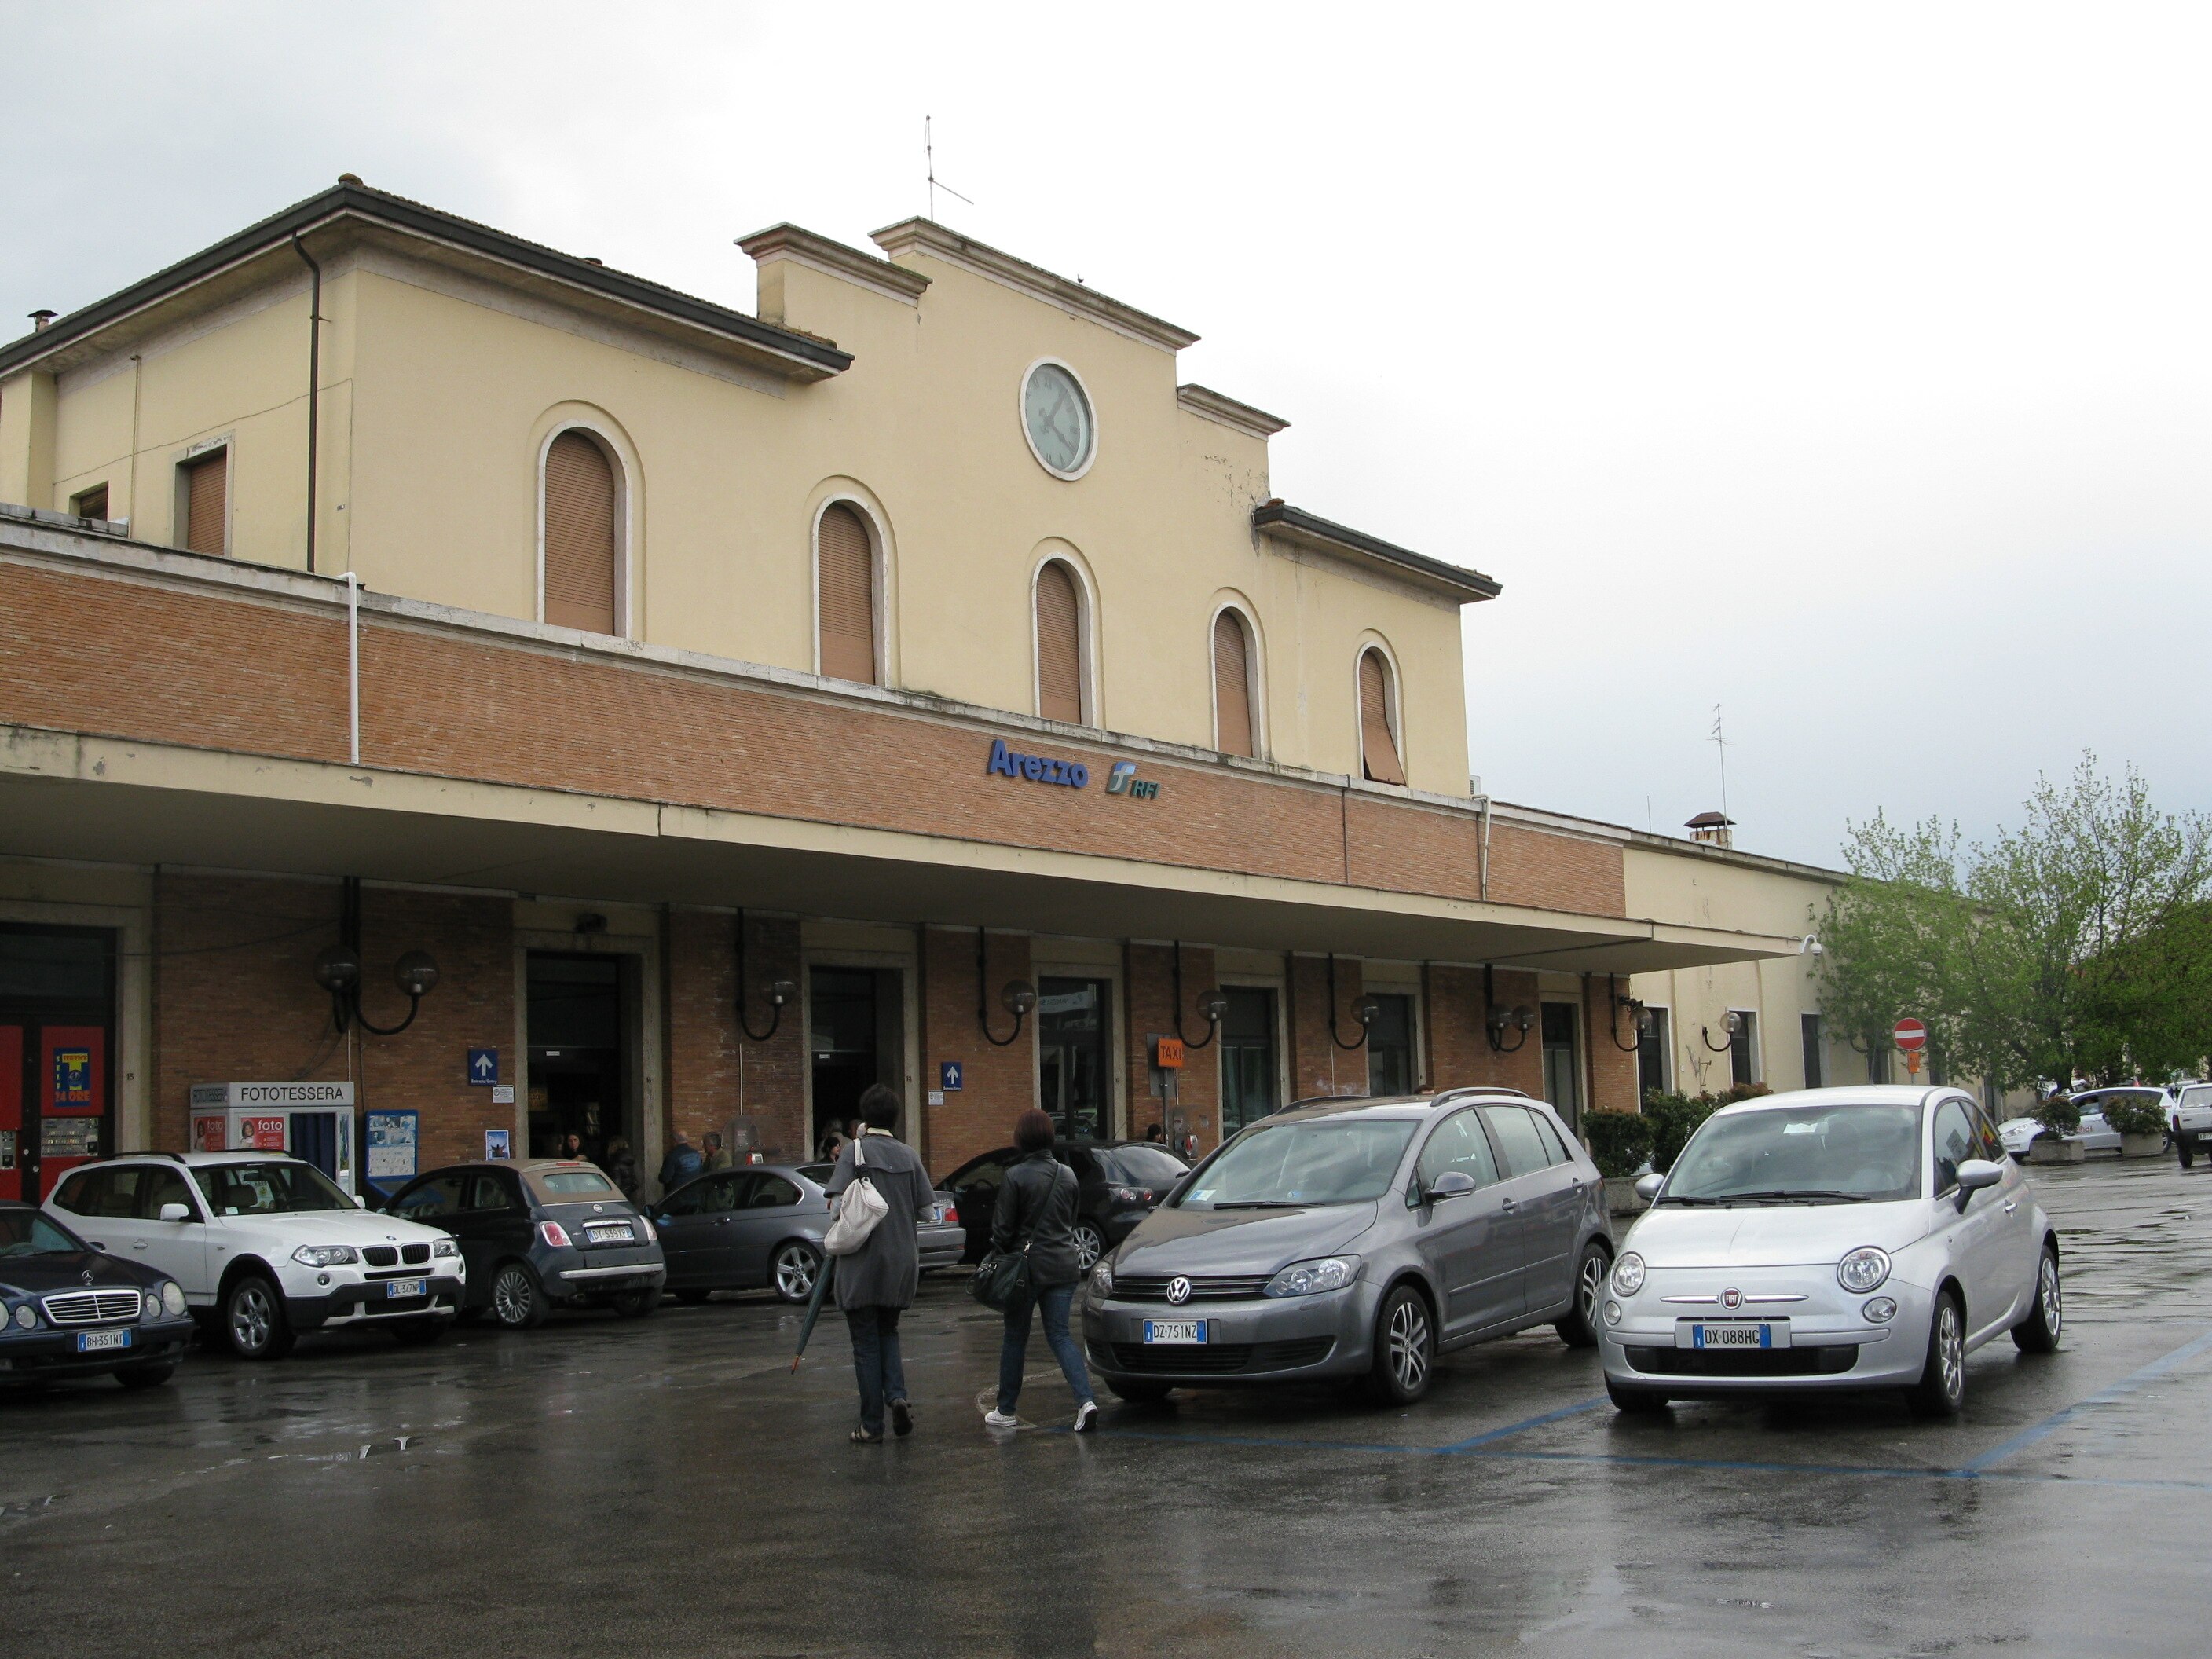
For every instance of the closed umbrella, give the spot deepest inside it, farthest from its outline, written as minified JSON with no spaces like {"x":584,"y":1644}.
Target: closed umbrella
{"x":822,"y":1277}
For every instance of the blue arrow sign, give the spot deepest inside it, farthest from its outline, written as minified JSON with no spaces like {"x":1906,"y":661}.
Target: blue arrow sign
{"x":948,"y":1074}
{"x":484,"y":1066}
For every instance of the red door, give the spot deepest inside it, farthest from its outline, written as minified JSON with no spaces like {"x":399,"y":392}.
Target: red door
{"x":72,"y":1092}
{"x":13,"y":1150}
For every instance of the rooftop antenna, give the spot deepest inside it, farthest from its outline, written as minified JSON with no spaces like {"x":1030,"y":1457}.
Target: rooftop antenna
{"x":929,"y":166}
{"x":1719,"y":735}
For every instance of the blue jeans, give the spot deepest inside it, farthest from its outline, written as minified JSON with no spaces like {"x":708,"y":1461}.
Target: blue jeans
{"x":876,"y":1361}
{"x":1014,"y":1350}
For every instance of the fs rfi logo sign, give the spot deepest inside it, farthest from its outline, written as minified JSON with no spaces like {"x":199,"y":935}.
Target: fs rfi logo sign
{"x":1123,"y":780}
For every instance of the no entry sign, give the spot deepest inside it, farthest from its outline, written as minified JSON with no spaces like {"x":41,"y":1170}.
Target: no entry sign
{"x":1910,"y":1035}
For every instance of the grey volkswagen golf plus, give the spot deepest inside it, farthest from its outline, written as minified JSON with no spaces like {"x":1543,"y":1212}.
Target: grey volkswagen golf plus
{"x":1357,"y":1240}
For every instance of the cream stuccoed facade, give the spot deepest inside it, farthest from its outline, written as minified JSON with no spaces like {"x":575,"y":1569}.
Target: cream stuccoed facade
{"x":446,"y":370}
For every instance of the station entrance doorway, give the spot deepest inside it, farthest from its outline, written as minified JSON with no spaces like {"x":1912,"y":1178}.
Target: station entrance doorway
{"x":57,"y":1054}
{"x":578,"y":1022}
{"x":855,"y":1027}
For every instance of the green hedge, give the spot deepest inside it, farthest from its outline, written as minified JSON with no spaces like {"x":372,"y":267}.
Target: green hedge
{"x":1618,"y":1141}
{"x":2059,"y":1115}
{"x":2135,"y":1117}
{"x":1675,"y":1118}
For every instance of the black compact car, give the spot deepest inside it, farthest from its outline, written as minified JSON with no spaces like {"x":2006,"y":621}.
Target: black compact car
{"x":67,"y":1311}
{"x":1118,"y":1183}
{"x":543,"y":1234}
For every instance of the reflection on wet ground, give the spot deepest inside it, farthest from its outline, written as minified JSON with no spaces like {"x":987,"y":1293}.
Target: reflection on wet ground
{"x":668,"y":1486}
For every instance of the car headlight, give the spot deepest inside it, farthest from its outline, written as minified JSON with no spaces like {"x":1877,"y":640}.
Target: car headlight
{"x":1102,"y":1278}
{"x":1628,"y":1274}
{"x":1331,"y":1272}
{"x":324,"y":1255}
{"x":172,"y":1298}
{"x":445,"y":1247}
{"x":1862,"y":1269}
{"x":26,"y":1314}
{"x":150,"y":1304}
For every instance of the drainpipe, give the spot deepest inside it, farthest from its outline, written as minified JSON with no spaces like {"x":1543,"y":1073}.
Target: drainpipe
{"x":1482,"y":879}
{"x":314,"y":385}
{"x":353,"y":667}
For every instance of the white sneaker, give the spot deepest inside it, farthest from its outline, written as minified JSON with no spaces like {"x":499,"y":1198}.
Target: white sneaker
{"x":998,"y":1420}
{"x":1087,"y":1417}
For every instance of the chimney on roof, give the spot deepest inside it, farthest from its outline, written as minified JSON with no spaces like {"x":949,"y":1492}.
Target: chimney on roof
{"x":41,"y":321}
{"x":348,"y":178}
{"x":1714,"y":829}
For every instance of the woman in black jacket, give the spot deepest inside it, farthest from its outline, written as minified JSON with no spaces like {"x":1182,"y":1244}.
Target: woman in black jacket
{"x":1036,"y":1211}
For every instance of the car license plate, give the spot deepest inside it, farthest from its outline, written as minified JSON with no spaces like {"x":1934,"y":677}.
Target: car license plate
{"x":620,"y":1234}
{"x":1731,"y":1333}
{"x":398,"y":1287}
{"x":93,"y":1341}
{"x":1183,"y":1332}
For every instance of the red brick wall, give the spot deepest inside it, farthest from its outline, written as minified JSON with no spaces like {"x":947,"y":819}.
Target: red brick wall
{"x":714,"y":1072}
{"x":1318,"y":1066}
{"x":1460,"y":1055}
{"x":236,"y":1000}
{"x":130,"y":659}
{"x":1611,"y":1070}
{"x":1000,"y":1083}
{"x":1148,"y":977}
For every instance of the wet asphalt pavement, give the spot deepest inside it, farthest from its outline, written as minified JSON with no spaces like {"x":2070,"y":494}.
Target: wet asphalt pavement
{"x":668,"y":1488}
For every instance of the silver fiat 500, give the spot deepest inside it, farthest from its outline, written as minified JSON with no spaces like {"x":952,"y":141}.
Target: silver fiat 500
{"x":1356,"y":1239}
{"x":1832,"y":1239}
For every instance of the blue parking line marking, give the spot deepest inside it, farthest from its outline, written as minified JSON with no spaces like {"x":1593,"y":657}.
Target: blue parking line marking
{"x":1523,"y":1426}
{"x":2119,"y":1390}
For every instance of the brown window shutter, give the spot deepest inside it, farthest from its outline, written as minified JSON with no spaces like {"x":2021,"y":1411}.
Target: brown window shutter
{"x":1059,"y":645}
{"x":1378,"y":750}
{"x":846,"y":561}
{"x":580,"y":535}
{"x":207,"y":499}
{"x":1232,"y":685}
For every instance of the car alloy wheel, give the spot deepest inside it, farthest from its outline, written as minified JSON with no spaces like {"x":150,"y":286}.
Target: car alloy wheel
{"x":1942,"y":1389}
{"x":1591,"y":1285}
{"x":1090,"y":1245}
{"x":514,"y":1299}
{"x":251,"y":1317}
{"x":2051,"y":1298}
{"x":1405,"y":1337}
{"x":794,"y":1271}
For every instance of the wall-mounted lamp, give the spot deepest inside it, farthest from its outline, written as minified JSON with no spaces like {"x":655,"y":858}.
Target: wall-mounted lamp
{"x":337,"y":970}
{"x":1016,"y":997}
{"x":1211,"y":1005}
{"x":1731,"y":1022}
{"x":779,"y":991}
{"x":1639,"y":1017}
{"x":1496,"y":1020}
{"x":1364,"y":1011}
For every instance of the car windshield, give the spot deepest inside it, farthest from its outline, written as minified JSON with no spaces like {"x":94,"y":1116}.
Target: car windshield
{"x":1142,"y":1166}
{"x":2199,"y":1095}
{"x":1836,"y":1155}
{"x":273,"y":1188}
{"x":1282,"y":1166}
{"x":26,"y":1233}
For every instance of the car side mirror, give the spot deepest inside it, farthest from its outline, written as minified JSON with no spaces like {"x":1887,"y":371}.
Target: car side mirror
{"x":1975,"y":1174}
{"x":1648,"y":1186}
{"x":1452,"y":1184}
{"x":176,"y":1213}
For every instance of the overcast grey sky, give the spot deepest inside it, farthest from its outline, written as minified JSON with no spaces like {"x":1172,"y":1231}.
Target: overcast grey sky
{"x":1849,"y":367}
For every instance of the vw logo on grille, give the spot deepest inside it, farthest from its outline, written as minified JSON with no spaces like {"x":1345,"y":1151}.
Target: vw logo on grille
{"x":1731,"y":1299}
{"x":1178,"y":1289}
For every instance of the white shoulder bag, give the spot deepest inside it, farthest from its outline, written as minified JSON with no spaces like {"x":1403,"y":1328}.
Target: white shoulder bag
{"x":860,"y":1207}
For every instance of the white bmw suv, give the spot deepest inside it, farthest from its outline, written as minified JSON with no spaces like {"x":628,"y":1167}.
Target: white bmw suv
{"x":265,"y":1246}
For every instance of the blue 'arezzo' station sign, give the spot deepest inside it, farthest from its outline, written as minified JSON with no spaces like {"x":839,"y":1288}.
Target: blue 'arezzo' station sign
{"x":1038,"y":768}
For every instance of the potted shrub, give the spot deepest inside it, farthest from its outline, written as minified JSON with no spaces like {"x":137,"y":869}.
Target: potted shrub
{"x":2061,"y":1121}
{"x":1620,"y":1144}
{"x":2142,"y":1126}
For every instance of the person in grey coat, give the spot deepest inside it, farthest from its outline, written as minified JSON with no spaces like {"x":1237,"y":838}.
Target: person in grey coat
{"x":876,"y":1282}
{"x":1036,"y":1212}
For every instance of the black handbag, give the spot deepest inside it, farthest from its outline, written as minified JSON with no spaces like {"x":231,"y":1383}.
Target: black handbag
{"x":1002,"y":1277}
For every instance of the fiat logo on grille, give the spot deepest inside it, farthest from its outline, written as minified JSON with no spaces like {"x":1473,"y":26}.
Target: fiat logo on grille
{"x":1731,"y":1299}
{"x":1178,"y":1289}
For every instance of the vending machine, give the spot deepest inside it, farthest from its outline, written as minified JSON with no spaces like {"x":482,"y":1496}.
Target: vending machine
{"x":311,"y":1121}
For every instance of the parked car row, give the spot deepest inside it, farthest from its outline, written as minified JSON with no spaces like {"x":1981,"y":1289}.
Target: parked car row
{"x":2186,"y":1108}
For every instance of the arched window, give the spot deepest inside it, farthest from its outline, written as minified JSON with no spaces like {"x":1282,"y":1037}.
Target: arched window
{"x":1378,"y":737}
{"x":581,"y":534}
{"x":1235,"y":731}
{"x":1058,"y":643}
{"x":845,"y":577}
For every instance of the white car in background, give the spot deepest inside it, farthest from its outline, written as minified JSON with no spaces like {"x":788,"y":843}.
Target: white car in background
{"x":2094,"y":1134}
{"x":266,"y":1246}
{"x":1832,"y":1239}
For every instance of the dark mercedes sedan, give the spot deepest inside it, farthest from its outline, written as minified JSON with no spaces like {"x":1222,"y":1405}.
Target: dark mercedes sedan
{"x":67,"y":1311}
{"x":538,"y":1234}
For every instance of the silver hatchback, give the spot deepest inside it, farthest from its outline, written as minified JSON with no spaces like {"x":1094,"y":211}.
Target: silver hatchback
{"x":1357,"y":1240}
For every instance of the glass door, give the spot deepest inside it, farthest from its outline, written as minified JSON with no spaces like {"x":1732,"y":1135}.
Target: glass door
{"x":1563,"y":1071}
{"x":1073,"y":1076}
{"x":1250,"y":1080}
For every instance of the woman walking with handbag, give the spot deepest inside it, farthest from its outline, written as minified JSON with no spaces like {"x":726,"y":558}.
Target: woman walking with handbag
{"x":1035,"y":1218}
{"x":878,"y":1257}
